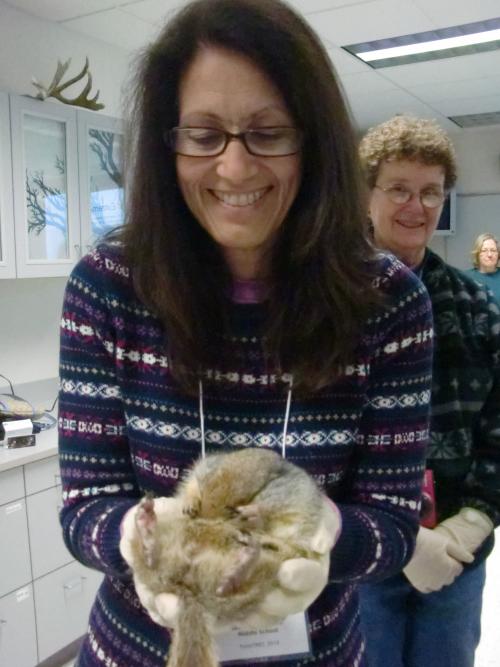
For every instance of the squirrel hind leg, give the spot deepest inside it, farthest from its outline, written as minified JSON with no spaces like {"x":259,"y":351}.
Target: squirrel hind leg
{"x":247,"y":558}
{"x":146,"y":523}
{"x":191,"y":498}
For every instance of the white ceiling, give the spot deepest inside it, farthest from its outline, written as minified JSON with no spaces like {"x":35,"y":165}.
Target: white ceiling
{"x":437,"y":89}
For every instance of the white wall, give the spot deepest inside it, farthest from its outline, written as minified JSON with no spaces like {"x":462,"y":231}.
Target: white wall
{"x":30,"y":308}
{"x":30,"y":312}
{"x":478,"y":189}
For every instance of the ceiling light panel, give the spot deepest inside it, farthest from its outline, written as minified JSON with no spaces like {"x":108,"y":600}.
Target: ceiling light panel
{"x":451,"y":42}
{"x":477,"y":119}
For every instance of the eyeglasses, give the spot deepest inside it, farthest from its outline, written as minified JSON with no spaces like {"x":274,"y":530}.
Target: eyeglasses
{"x":400,"y":195}
{"x":210,"y":141}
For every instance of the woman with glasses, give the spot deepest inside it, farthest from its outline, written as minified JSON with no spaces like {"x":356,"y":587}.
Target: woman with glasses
{"x":430,"y":613}
{"x":242,"y":306}
{"x":486,"y":261}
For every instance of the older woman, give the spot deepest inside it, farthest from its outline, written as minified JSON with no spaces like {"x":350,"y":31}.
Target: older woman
{"x":486,"y":261}
{"x":242,"y":306}
{"x":430,"y":615}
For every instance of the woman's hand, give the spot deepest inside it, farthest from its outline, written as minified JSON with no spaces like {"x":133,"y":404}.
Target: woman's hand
{"x":130,"y":540}
{"x":437,"y":561}
{"x":301,"y":580}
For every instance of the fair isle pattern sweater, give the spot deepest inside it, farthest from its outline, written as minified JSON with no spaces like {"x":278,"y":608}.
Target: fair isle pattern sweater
{"x":464,"y":448}
{"x":126,"y":428}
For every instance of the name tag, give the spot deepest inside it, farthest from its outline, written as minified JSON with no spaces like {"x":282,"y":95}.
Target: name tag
{"x":289,"y":639}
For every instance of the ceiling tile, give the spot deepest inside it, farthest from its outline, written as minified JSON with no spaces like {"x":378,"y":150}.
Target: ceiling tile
{"x":115,"y":27}
{"x":369,"y":21}
{"x":468,"y":105}
{"x":311,"y":6}
{"x":367,"y":83}
{"x":450,"y":12}
{"x":153,"y":11}
{"x":447,"y":69}
{"x":344,"y":62}
{"x":60,"y":10}
{"x":456,"y":90}
{"x":369,"y":112}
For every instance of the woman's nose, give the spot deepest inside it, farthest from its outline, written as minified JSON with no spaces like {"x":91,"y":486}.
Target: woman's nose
{"x":236,"y":163}
{"x":415,"y":203}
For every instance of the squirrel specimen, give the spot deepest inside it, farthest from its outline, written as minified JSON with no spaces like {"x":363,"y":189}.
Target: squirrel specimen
{"x":243,"y":514}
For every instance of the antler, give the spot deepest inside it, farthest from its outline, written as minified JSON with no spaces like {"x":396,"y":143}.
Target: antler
{"x":55,"y":88}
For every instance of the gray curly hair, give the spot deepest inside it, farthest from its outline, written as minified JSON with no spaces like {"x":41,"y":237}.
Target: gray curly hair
{"x":405,"y":137}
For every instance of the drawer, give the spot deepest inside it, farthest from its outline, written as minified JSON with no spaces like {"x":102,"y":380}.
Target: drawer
{"x":62,"y":607}
{"x":11,"y":485}
{"x":48,"y":551}
{"x":15,"y":570}
{"x":17,"y":629}
{"x":41,"y":475}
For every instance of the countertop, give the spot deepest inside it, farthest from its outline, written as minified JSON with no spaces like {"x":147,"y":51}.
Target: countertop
{"x":40,"y":393}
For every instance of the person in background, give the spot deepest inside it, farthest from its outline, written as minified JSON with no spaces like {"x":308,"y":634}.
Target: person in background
{"x":486,"y":261}
{"x":242,"y":305}
{"x":429,"y":615}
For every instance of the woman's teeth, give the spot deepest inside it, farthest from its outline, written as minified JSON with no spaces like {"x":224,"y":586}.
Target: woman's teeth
{"x":239,"y":199}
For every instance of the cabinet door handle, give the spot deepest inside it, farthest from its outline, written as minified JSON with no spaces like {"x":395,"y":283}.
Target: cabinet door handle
{"x":71,"y":585}
{"x":78,"y":249}
{"x":57,"y":479}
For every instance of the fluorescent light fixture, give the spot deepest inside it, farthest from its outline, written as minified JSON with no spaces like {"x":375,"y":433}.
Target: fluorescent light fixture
{"x":435,"y":45}
{"x":431,"y":45}
{"x":477,"y":119}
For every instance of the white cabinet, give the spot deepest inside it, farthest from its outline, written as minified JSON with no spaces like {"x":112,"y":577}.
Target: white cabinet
{"x":45,"y":596}
{"x":15,"y":567}
{"x":101,"y":179}
{"x":7,"y":245}
{"x":66,"y":175}
{"x":45,"y":179}
{"x":63,"y":601}
{"x":17,"y":629}
{"x":48,"y":550}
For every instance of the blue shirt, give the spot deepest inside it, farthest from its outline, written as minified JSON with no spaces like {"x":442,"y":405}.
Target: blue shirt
{"x":491,"y":280}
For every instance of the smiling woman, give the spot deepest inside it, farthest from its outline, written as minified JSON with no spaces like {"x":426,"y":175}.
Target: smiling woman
{"x":430,"y":615}
{"x":241,"y":306}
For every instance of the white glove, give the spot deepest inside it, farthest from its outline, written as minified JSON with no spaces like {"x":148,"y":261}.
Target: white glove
{"x":300,"y":580}
{"x":469,"y":528}
{"x":168,"y":507}
{"x":436,"y":562}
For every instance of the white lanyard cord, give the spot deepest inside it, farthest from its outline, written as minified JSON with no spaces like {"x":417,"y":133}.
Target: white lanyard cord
{"x":202,"y":418}
{"x":287,"y":417}
{"x":285,"y":424}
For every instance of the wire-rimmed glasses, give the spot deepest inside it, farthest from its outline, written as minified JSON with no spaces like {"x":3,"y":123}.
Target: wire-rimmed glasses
{"x":400,"y":195}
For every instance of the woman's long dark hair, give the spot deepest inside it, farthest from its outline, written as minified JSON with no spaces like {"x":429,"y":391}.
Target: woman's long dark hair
{"x":322,"y":267}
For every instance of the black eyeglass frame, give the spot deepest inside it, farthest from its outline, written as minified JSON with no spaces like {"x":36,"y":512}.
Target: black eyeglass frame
{"x":169,"y":136}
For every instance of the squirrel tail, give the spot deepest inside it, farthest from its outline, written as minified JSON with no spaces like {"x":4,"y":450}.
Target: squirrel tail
{"x":192,"y":643}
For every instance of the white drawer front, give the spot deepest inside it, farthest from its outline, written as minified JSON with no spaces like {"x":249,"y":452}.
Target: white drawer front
{"x":17,"y":629}
{"x":42,"y":474}
{"x":48,"y":551}
{"x":15,"y":568}
{"x":63,"y":602}
{"x":11,"y":485}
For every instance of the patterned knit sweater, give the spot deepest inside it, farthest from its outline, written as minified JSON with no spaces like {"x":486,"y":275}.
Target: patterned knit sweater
{"x":126,"y":428}
{"x":464,"y":449}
